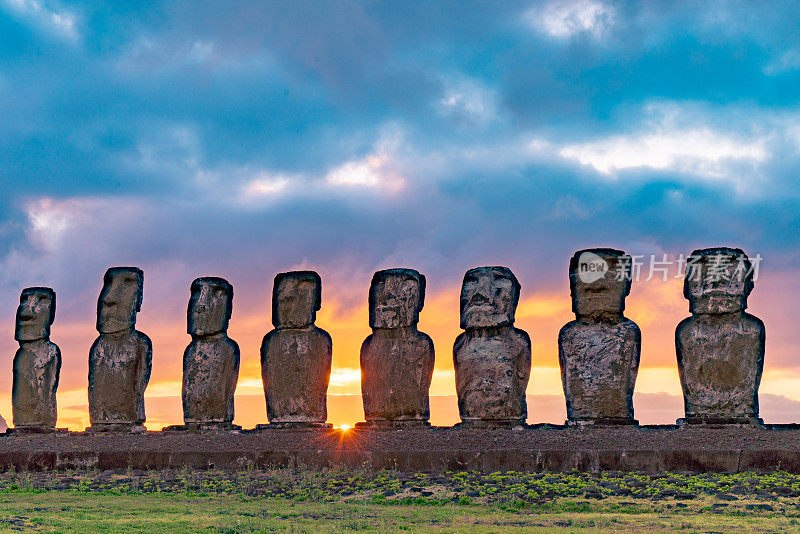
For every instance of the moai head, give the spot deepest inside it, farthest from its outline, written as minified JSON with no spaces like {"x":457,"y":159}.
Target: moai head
{"x":296,"y":297}
{"x":599,"y":281}
{"x":120,"y":299}
{"x":210,"y":306}
{"x":35,"y":314}
{"x":718,"y":280}
{"x":396,"y":297}
{"x":489,"y":297}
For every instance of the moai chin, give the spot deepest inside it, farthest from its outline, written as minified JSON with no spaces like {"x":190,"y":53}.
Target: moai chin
{"x":599,"y":351}
{"x":720,"y":348}
{"x":121,"y":357}
{"x":492,"y":359}
{"x":37,"y":363}
{"x":211,"y":361}
{"x":396,"y":359}
{"x":296,"y":355}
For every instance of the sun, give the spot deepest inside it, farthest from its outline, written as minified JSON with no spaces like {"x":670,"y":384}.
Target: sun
{"x":344,"y":428}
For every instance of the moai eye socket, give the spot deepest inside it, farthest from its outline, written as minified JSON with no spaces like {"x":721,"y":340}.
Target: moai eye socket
{"x":306,"y":287}
{"x":410,"y":287}
{"x":501,"y":282}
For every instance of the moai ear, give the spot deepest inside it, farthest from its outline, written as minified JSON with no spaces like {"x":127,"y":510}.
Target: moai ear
{"x":229,"y":304}
{"x":140,"y":292}
{"x":517,"y":286}
{"x":52,"y":317}
{"x":421,"y":292}
{"x":748,"y":283}
{"x":318,"y":292}
{"x":628,"y":278}
{"x":691,"y":266}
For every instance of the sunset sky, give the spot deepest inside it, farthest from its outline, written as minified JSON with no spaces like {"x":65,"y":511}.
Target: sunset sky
{"x":242,"y":139}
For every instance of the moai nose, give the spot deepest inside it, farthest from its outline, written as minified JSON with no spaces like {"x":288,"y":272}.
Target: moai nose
{"x":482,"y":293}
{"x":26,"y":312}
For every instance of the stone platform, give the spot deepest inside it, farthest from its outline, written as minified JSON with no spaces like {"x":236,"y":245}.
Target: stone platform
{"x":544,"y":448}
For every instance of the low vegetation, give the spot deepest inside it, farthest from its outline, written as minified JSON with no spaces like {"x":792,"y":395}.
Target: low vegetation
{"x":305,"y":500}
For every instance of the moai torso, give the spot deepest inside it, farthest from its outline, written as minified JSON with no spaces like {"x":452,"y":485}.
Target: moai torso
{"x":121,"y":357}
{"x":599,"y":351}
{"x":492,"y":359}
{"x":396,"y":359}
{"x":211,"y":361}
{"x":296,"y":356}
{"x":37,"y":362}
{"x":720,"y":348}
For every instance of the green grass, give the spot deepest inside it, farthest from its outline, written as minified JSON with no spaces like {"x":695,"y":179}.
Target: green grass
{"x":302,"y":500}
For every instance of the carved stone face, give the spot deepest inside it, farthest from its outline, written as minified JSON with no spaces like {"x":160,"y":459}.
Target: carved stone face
{"x":396,"y":297}
{"x":35,"y":314}
{"x":718,"y":281}
{"x":210,"y":306}
{"x":602,"y":297}
{"x":296,"y":298}
{"x":489,"y":297}
{"x":119,"y":300}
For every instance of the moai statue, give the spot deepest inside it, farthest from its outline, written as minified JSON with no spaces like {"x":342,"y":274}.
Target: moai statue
{"x":296,"y":355}
{"x":396,"y":359}
{"x":720,"y":348}
{"x":599,"y":351}
{"x":211,"y":361}
{"x":492,"y":359}
{"x":121,"y":357}
{"x":37,"y":363}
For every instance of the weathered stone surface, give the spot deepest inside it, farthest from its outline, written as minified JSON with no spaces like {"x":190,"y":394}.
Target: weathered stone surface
{"x":296,"y":355}
{"x":396,"y":359}
{"x":121,"y":357}
{"x":211,"y":361}
{"x":492,"y":359}
{"x":37,"y":363}
{"x":720,"y":348}
{"x":626,"y":448}
{"x":599,"y":351}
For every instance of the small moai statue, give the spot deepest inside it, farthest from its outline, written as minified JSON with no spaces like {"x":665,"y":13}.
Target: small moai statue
{"x":296,"y":356}
{"x":492,"y":359}
{"x":37,"y":363}
{"x":396,"y":359}
{"x":720,"y":348}
{"x":599,"y":351}
{"x":211,"y":361}
{"x":121,"y":357}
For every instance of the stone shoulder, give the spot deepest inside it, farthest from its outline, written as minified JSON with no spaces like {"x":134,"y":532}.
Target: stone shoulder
{"x":314,"y":331}
{"x":141,"y":337}
{"x":521,"y":337}
{"x":754,"y":322}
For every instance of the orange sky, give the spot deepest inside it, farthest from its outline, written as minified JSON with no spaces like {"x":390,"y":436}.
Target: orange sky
{"x":656,"y":306}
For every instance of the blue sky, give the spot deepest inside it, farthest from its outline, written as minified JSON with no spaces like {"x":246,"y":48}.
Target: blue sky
{"x":241,"y":139}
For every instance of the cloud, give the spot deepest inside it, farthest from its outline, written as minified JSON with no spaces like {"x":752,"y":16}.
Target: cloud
{"x":700,"y":152}
{"x":57,"y":22}
{"x":788,"y":61}
{"x":469,"y":101}
{"x":266,"y":185}
{"x":375,"y":170}
{"x":564,"y":18}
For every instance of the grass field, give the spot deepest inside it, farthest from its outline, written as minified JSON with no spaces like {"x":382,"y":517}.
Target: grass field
{"x":300,"y":500}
